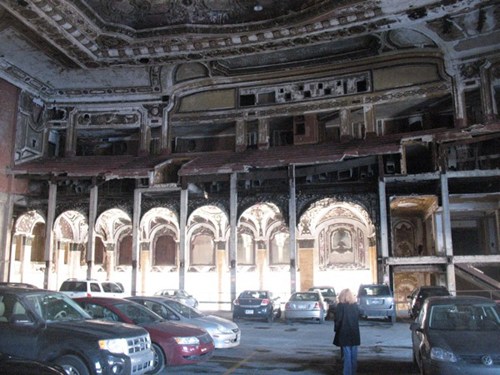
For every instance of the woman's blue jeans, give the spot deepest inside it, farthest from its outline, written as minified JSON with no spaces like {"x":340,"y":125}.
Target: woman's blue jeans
{"x":350,"y":359}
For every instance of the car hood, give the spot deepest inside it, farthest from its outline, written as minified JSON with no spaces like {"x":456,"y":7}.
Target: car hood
{"x":212,"y":321}
{"x":173,"y":329}
{"x":99,"y":328}
{"x":466,"y":342}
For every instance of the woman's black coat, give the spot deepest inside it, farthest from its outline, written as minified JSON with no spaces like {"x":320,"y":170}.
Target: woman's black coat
{"x":347,"y":325}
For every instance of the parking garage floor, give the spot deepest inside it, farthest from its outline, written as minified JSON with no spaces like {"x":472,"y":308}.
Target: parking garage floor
{"x":306,"y":347}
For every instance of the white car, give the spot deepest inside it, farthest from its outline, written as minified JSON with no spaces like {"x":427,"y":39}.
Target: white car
{"x":224,"y":332}
{"x":77,"y":288}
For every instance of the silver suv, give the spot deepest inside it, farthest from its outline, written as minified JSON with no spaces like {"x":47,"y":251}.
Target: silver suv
{"x":77,"y":288}
{"x":376,"y":300}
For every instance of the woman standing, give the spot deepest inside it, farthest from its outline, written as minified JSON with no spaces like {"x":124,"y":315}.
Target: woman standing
{"x":347,"y":330}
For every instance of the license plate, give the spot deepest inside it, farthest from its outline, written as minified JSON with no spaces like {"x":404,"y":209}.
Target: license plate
{"x":249,"y":312}
{"x":377,"y":302}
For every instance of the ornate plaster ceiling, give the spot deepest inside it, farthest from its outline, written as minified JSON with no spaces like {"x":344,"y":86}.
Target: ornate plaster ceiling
{"x":52,"y":44}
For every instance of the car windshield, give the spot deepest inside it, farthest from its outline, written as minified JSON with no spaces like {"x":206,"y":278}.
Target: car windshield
{"x":184,"y":310}
{"x":464,"y":317}
{"x":138,"y":313}
{"x":54,"y":307}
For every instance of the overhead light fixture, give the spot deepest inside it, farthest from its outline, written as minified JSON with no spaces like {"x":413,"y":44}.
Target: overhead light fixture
{"x":258,"y":7}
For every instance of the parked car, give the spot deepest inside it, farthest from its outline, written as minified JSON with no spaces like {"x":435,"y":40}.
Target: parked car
{"x":48,"y":326}
{"x":14,"y":366}
{"x":174,"y":343}
{"x":376,"y":300}
{"x":330,"y":297}
{"x":306,"y":305}
{"x":180,"y":295}
{"x":224,"y":332}
{"x":257,"y":304}
{"x":76,"y":288}
{"x":419,"y":295}
{"x":457,"y":335}
{"x":14,"y":284}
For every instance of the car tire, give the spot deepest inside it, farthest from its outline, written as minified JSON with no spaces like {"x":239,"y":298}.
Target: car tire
{"x":159,"y":361}
{"x":278,"y":314}
{"x":73,"y":365}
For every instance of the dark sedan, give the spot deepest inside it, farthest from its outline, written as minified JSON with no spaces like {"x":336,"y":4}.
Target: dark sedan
{"x":457,"y":335}
{"x":174,"y":343}
{"x":257,"y":304}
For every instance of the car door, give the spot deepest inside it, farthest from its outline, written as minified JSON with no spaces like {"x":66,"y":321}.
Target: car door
{"x":20,"y":331}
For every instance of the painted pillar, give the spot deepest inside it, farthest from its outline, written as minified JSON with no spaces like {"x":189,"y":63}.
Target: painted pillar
{"x":233,"y":236}
{"x":182,"y":238}
{"x":91,"y":231}
{"x":450,"y":267}
{"x":292,"y":218}
{"x":49,"y":236}
{"x":146,"y":261}
{"x":70,"y":143}
{"x":74,"y":260}
{"x":135,"y":240}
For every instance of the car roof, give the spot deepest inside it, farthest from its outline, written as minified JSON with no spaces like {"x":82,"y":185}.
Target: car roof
{"x":103,"y":300}
{"x":443,"y":300}
{"x":153,"y":298}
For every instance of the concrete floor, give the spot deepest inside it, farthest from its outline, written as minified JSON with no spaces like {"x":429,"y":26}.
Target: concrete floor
{"x":305,"y":347}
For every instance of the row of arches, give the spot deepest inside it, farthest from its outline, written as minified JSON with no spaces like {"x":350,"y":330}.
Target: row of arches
{"x":333,"y":238}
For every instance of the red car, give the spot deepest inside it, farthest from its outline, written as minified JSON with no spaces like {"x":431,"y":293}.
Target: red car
{"x":174,"y":343}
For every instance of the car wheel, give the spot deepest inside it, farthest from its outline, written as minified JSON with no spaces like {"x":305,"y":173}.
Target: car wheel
{"x":72,"y":365}
{"x":421,"y":367}
{"x":278,"y":314}
{"x":159,"y":360}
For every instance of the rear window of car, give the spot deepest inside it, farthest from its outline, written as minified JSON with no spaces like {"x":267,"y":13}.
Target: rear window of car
{"x":434,"y":292}
{"x":305,"y":297}
{"x":375,"y":290}
{"x":111,"y":288}
{"x":74,"y":286}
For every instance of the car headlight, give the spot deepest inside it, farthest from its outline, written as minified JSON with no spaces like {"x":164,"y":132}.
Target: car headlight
{"x":117,"y":346}
{"x":187,"y":340}
{"x":439,"y":354}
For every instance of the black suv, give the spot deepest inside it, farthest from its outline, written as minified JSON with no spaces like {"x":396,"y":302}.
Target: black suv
{"x":419,"y":295}
{"x":47,"y":326}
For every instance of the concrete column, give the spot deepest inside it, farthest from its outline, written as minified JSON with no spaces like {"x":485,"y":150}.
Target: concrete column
{"x":241,"y":135}
{"x":459,"y":102}
{"x":263,"y":142}
{"x":6,"y":223}
{"x":182,"y":238}
{"x":135,"y":240}
{"x":145,"y":134}
{"x":166,"y":134}
{"x":439,"y":233}
{"x":110,"y":259}
{"x":74,"y":255}
{"x":292,"y":218}
{"x":146,"y":261}
{"x":497,"y":221}
{"x":370,"y":120}
{"x":61,"y":269}
{"x":487,"y":98}
{"x":233,"y":236}
{"x":70,"y":142}
{"x":49,"y":237}
{"x":384,"y":231}
{"x":26,"y":258}
{"x":450,"y":267}
{"x":345,"y":124}
{"x":91,"y":231}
